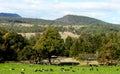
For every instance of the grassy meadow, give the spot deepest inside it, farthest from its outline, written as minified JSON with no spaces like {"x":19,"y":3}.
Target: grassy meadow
{"x":17,"y":68}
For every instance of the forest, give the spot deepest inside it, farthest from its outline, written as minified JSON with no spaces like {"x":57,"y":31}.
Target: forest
{"x":95,"y":39}
{"x":104,"y":47}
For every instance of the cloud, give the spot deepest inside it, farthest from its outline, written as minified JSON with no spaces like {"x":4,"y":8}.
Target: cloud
{"x":51,"y":9}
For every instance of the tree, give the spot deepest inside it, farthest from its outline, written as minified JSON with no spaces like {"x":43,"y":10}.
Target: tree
{"x":110,"y":48}
{"x":33,"y":39}
{"x":68,"y":43}
{"x":50,"y":43}
{"x":26,"y":54}
{"x":13,"y":43}
{"x":74,"y":49}
{"x":2,"y":32}
{"x":1,"y":41}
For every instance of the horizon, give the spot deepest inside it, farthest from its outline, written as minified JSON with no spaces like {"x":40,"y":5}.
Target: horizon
{"x":105,"y":10}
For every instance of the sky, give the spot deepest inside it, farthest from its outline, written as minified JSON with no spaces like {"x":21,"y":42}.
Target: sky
{"x":106,"y":10}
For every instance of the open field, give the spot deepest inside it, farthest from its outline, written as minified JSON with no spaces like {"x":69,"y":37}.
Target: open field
{"x":17,"y":68}
{"x":64,"y":35}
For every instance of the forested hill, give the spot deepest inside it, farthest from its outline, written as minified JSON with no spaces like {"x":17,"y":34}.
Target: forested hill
{"x":69,"y":23}
{"x":79,"y":20}
{"x":9,"y":15}
{"x":65,"y":20}
{"x":25,"y":20}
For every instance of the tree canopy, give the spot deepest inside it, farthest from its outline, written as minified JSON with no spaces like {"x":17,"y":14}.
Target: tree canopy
{"x":50,"y":43}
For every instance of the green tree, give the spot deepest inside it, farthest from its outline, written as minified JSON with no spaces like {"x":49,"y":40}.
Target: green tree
{"x":33,"y":39}
{"x":27,"y":53}
{"x":50,"y":43}
{"x":68,"y":43}
{"x":74,"y":49}
{"x":2,"y":32}
{"x":110,"y":48}
{"x":13,"y":43}
{"x":1,"y":51}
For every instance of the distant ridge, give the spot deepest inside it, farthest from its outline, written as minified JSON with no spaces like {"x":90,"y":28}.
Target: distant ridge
{"x":68,"y":23}
{"x":65,"y":20}
{"x":79,"y":20}
{"x":9,"y":15}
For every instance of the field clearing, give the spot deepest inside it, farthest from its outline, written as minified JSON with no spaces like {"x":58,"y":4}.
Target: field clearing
{"x":64,"y":35}
{"x":17,"y":68}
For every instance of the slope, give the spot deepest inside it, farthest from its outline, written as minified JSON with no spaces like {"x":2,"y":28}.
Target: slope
{"x":78,"y":20}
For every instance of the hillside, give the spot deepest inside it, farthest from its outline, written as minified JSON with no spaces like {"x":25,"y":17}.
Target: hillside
{"x":78,"y":20}
{"x":9,"y":15}
{"x":65,"y":20}
{"x":70,"y":23}
{"x":25,"y":20}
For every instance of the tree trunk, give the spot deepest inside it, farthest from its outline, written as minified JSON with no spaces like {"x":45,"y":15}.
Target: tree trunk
{"x":49,"y":60}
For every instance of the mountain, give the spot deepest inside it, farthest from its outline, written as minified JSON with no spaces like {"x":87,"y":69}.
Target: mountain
{"x":65,"y":20}
{"x":25,"y":20}
{"x":78,"y":20}
{"x":69,"y":23}
{"x":9,"y":15}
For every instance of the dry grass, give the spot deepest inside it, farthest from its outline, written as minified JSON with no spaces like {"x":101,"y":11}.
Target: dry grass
{"x":64,"y":35}
{"x":25,"y":25}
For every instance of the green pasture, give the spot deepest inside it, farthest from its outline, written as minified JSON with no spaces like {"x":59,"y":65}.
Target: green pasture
{"x":16,"y":68}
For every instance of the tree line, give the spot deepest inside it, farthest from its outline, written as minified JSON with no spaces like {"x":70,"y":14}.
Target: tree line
{"x":102,"y":46}
{"x":76,"y":29}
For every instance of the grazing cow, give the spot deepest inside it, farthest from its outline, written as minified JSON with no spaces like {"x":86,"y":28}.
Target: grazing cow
{"x":42,"y":69}
{"x":46,"y":70}
{"x":97,"y":69}
{"x":35,"y":70}
{"x":90,"y":65}
{"x":11,"y":69}
{"x":51,"y":69}
{"x":67,"y":69}
{"x":23,"y":69}
{"x":73,"y":70}
{"x":117,"y":69}
{"x":62,"y":69}
{"x":39,"y":70}
{"x":22,"y":72}
{"x":70,"y":67}
{"x":91,"y":69}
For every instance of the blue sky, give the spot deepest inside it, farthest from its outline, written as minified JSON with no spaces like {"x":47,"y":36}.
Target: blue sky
{"x":106,"y":10}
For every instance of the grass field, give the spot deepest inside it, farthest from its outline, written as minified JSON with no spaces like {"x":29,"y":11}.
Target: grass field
{"x":15,"y":68}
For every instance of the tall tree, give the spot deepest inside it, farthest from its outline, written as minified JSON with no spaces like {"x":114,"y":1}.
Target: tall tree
{"x":68,"y":43}
{"x":13,"y":43}
{"x":50,"y":43}
{"x":26,"y":54}
{"x":1,"y":51}
{"x":74,"y":49}
{"x":2,"y":32}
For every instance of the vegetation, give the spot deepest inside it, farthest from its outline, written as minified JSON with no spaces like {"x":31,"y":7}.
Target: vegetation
{"x":12,"y":68}
{"x":79,"y":20}
{"x":98,"y":39}
{"x":50,"y":43}
{"x":104,"y":47}
{"x":25,"y":20}
{"x":12,"y":44}
{"x":71,"y":23}
{"x":66,"y":20}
